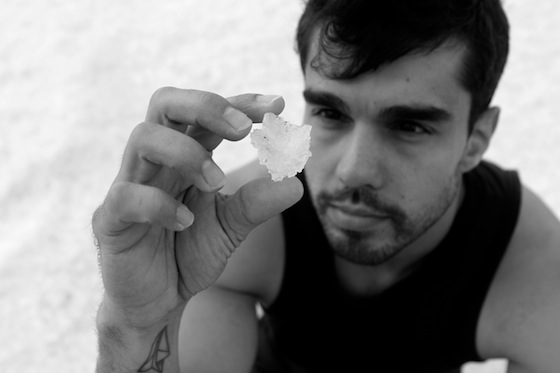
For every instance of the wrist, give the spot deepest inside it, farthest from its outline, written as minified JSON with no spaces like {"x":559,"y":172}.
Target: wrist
{"x":125,"y":346}
{"x":138,"y":317}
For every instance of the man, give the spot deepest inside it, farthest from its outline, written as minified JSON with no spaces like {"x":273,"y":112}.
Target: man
{"x":405,"y":253}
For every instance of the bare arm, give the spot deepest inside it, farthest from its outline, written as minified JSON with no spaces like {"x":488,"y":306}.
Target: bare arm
{"x":126,"y":348}
{"x":219,"y":325}
{"x":218,"y":332}
{"x":165,"y":233}
{"x":521,"y":317}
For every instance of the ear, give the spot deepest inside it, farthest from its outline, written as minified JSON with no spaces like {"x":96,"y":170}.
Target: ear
{"x":479,"y":139}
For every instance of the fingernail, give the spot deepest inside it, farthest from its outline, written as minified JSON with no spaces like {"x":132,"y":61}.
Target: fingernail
{"x":237,"y":119}
{"x":268,"y":99}
{"x":185,"y":218}
{"x":212,"y":174}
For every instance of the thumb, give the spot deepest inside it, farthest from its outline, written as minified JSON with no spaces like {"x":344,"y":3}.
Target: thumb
{"x":256,"y":202}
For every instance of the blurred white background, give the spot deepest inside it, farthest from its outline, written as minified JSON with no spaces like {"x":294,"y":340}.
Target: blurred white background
{"x":76,"y":77}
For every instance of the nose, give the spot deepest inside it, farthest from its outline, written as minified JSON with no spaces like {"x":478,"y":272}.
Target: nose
{"x":361,"y":161}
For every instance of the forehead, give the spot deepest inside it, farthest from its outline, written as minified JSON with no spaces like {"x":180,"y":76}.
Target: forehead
{"x":420,"y":78}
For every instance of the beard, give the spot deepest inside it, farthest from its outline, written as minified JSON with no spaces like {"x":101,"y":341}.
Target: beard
{"x":399,"y":230}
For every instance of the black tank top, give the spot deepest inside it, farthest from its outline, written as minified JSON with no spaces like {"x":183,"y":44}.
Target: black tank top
{"x":425,"y":323}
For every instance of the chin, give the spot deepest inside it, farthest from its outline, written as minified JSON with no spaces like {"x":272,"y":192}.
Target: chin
{"x":363,"y":249}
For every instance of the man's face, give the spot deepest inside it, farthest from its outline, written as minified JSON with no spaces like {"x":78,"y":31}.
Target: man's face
{"x":387,"y":148}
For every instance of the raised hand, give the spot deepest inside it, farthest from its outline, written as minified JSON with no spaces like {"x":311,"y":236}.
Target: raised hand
{"x":164,"y":231}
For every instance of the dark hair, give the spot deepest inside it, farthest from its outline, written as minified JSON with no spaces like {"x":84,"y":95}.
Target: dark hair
{"x":364,"y":34}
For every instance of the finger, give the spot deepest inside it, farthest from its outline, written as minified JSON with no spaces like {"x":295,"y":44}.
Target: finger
{"x":257,"y":202}
{"x":204,"y":137}
{"x":180,"y":108}
{"x":129,"y":203}
{"x":153,"y":146}
{"x":256,"y":105}
{"x":252,"y":104}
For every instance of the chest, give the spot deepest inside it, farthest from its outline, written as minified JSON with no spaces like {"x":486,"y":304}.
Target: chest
{"x":326,"y":319}
{"x":407,"y":328}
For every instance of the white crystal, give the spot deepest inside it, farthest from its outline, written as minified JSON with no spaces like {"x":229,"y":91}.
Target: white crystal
{"x":282,"y":147}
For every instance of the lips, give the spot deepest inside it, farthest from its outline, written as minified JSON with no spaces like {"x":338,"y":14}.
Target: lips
{"x":355,"y":218}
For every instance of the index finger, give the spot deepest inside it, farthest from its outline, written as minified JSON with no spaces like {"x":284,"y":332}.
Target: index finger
{"x":255,"y":106}
{"x":252,"y":104}
{"x":181,"y":108}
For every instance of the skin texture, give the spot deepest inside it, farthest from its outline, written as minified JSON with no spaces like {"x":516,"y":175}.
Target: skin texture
{"x":184,"y":261}
{"x":416,"y":173}
{"x":389,"y":149}
{"x":401,"y":175}
{"x":152,"y":265}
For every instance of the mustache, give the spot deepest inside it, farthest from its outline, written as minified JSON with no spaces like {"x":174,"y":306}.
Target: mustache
{"x":363,"y":195}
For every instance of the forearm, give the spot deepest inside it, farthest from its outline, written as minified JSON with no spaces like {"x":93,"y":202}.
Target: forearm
{"x":123,"y":347}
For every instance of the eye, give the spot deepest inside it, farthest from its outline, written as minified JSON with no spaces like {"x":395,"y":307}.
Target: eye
{"x":329,"y":119}
{"x":326,"y":113}
{"x":410,"y":128}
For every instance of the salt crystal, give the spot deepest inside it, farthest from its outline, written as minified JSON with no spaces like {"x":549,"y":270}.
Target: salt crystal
{"x":282,"y":147}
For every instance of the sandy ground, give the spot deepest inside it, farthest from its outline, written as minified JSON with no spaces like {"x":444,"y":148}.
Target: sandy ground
{"x":75,"y":78}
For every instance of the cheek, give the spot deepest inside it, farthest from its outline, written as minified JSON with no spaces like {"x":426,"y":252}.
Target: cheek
{"x":315,"y":171}
{"x":320,"y":168}
{"x":424,"y":186}
{"x":323,"y":158}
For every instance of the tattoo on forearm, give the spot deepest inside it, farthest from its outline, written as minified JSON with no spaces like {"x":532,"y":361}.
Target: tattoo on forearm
{"x":158,"y":353}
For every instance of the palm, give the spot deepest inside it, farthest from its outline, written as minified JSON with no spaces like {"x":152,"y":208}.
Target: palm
{"x":149,"y":269}
{"x":145,"y":256}
{"x":168,"y":267}
{"x":203,"y":249}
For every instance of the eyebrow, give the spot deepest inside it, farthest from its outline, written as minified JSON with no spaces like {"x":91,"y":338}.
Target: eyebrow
{"x":321,"y":98}
{"x":418,"y":112}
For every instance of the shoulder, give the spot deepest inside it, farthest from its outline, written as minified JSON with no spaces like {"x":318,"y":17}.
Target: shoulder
{"x":519,"y":320}
{"x":256,"y":267}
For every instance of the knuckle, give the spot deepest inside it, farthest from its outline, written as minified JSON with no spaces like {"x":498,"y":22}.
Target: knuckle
{"x":117,"y":197}
{"x":246,"y":214}
{"x":139,"y":133}
{"x":160,"y":96}
{"x":208,"y":99}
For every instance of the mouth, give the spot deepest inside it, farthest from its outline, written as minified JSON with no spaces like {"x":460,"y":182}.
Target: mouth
{"x":355,"y":218}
